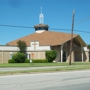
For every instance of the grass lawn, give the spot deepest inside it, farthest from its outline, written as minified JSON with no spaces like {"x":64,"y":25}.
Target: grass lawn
{"x":32,"y":64}
{"x":41,"y":64}
{"x":74,"y":66}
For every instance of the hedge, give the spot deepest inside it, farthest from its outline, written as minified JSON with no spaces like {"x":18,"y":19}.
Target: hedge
{"x":11,"y":61}
{"x":27,"y":61}
{"x":39,"y":60}
{"x":36,"y":61}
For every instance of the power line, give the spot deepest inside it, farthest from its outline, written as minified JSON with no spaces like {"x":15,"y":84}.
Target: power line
{"x":70,"y":30}
{"x":59,"y":29}
{"x":82,"y":21}
{"x":54,"y":29}
{"x":16,"y":26}
{"x":82,"y":31}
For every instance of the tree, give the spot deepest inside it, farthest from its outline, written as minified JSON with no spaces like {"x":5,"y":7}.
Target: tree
{"x":88,"y":46}
{"x":51,"y":55}
{"x":22,"y":46}
{"x":89,"y":51}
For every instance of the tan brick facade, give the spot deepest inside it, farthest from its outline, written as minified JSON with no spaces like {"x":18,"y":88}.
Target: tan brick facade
{"x":76,"y":55}
{"x":5,"y":55}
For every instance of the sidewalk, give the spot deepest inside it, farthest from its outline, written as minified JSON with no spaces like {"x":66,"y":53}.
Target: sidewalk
{"x":28,"y":68}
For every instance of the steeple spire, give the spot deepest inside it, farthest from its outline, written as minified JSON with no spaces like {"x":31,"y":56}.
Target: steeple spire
{"x":41,"y":17}
{"x":41,"y":27}
{"x":41,"y":9}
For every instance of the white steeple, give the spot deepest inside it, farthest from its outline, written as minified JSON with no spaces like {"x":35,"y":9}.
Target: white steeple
{"x":41,"y":27}
{"x":41,"y":17}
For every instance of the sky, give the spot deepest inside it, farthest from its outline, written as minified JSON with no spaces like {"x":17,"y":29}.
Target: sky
{"x":57,"y":14}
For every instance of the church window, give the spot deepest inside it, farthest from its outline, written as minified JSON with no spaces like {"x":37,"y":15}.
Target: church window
{"x":27,"y":56}
{"x":11,"y":55}
{"x":41,"y":28}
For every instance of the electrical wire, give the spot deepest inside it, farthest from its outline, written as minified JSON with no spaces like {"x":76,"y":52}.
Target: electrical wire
{"x":54,"y":29}
{"x":82,"y":21}
{"x":16,"y":26}
{"x":69,"y":30}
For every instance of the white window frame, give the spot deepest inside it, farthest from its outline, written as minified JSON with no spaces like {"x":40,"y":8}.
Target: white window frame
{"x":11,"y":54}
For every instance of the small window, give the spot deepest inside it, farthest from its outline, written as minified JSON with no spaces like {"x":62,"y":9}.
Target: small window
{"x":41,"y":28}
{"x":11,"y":55}
{"x":27,"y":56}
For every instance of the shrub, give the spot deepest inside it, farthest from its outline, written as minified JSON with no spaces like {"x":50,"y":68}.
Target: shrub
{"x":39,"y":61}
{"x":51,"y":55}
{"x":11,"y":61}
{"x":27,"y":61}
{"x":19,"y":57}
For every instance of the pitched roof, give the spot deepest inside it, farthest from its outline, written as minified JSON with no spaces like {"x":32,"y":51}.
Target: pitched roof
{"x":45,"y":38}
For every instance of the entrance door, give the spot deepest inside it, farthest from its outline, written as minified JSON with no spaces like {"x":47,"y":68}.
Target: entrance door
{"x":78,"y":57}
{"x":64,"y":56}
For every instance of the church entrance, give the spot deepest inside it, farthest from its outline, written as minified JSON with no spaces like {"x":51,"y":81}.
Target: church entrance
{"x":64,"y":56}
{"x":78,"y":57}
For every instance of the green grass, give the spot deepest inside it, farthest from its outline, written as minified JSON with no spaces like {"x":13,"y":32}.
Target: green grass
{"x":40,"y":64}
{"x":74,"y":66}
{"x":67,"y":68}
{"x":32,"y":64}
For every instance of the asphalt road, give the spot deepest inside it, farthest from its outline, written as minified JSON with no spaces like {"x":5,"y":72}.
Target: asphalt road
{"x":75,"y":80}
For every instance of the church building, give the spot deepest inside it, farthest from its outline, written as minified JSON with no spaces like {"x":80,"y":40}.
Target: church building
{"x":43,"y":40}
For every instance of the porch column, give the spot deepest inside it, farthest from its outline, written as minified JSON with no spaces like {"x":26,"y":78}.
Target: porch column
{"x":38,"y":55}
{"x":62,"y":53}
{"x":28,"y":56}
{"x":72,"y":56}
{"x":2,"y":57}
{"x":82,"y":53}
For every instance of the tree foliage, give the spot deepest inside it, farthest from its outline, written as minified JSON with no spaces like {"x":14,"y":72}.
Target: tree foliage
{"x":51,"y":55}
{"x":19,"y":57}
{"x":22,"y":46}
{"x":88,"y":46}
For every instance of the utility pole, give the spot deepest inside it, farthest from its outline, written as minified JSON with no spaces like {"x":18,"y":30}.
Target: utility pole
{"x":71,"y":43}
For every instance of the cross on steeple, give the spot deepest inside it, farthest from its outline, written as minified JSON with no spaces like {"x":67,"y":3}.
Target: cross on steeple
{"x":41,"y":17}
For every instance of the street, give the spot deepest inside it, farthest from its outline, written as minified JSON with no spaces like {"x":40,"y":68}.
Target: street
{"x":74,"y":80}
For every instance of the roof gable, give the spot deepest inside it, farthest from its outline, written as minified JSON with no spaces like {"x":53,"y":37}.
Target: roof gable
{"x":45,"y":38}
